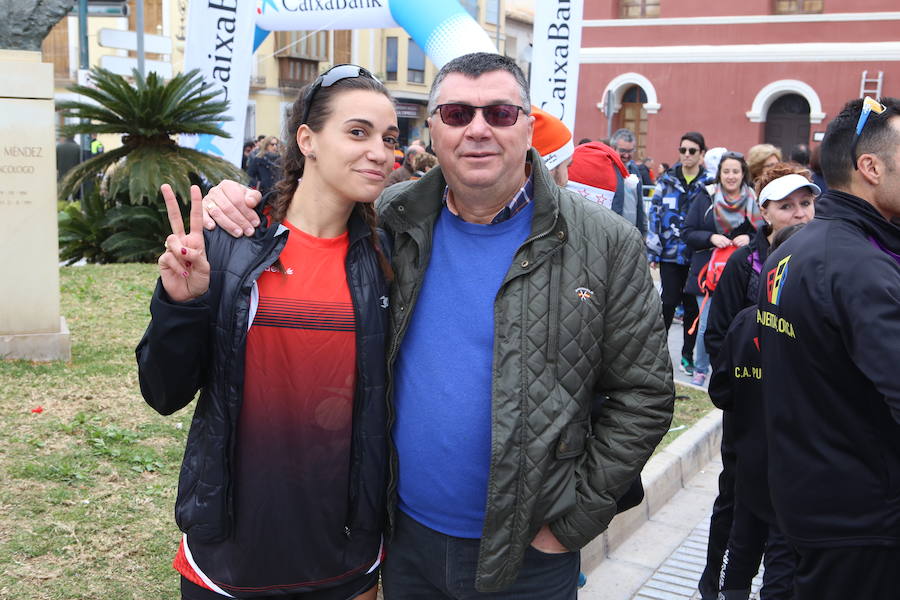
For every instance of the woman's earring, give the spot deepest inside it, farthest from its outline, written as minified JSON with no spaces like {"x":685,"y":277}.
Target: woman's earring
{"x":311,"y":156}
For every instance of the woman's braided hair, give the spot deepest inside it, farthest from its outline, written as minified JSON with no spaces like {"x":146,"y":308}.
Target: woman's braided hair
{"x":293,"y":161}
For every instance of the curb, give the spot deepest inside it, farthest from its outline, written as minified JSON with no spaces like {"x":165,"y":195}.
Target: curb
{"x":663,"y":476}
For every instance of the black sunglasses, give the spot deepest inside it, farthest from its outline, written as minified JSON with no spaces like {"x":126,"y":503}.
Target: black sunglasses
{"x":736,"y":155}
{"x":328,"y":79}
{"x":691,"y":151}
{"x":496,"y":115}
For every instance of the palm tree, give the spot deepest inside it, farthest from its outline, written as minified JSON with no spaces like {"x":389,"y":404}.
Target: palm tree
{"x":147,"y":113}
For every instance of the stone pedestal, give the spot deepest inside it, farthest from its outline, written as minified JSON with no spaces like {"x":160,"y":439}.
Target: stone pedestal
{"x":30,"y":324}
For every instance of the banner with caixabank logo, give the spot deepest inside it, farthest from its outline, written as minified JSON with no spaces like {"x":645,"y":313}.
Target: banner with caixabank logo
{"x":223,"y":34}
{"x":220,"y":44}
{"x":555,"y":57}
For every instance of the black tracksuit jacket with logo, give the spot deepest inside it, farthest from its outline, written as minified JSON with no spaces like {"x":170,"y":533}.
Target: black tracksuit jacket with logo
{"x":736,"y":387}
{"x":829,"y":326}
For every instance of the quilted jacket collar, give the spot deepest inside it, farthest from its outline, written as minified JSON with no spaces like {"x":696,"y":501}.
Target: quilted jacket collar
{"x":416,"y":206}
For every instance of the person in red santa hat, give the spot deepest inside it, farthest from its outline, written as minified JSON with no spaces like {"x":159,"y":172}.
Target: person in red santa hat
{"x":598,"y":174}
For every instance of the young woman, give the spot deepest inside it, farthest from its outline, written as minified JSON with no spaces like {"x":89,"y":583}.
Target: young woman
{"x":282,"y":488}
{"x":727,"y":215}
{"x":737,"y":289}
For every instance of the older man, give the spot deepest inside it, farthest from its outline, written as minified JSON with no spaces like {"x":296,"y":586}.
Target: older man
{"x":529,"y":375}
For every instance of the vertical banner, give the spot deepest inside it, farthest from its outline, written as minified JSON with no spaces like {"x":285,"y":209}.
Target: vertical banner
{"x":220,"y":44}
{"x":555,"y":57}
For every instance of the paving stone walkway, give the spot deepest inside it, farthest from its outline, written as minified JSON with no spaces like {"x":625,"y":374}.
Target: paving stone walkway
{"x":677,"y":577}
{"x":664,"y":558}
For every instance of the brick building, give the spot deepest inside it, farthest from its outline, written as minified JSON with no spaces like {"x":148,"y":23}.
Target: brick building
{"x":740,"y":72}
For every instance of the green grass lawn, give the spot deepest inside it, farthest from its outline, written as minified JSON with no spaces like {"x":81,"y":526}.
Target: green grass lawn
{"x":88,"y":484}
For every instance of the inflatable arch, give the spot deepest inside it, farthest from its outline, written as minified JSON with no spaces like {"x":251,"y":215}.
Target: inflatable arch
{"x":444,"y":30}
{"x":223,"y":34}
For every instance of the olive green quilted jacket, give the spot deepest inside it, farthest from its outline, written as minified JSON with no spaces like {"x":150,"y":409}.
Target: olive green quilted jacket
{"x":582,"y":386}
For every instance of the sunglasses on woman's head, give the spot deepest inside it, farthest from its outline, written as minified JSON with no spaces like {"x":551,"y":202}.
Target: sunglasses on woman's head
{"x":328,"y":79}
{"x":691,"y":151}
{"x":496,"y":115}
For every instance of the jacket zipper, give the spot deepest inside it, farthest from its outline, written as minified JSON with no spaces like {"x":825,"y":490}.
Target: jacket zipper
{"x":267,"y":259}
{"x":389,"y":391}
{"x":353,"y":483}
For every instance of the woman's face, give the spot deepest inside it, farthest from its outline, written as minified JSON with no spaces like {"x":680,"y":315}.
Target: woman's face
{"x":771,"y":161}
{"x":731,"y":175}
{"x":355,"y":148}
{"x":797,"y":207}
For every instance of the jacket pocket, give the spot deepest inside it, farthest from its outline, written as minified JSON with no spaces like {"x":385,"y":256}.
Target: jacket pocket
{"x":573,"y":439}
{"x":557,"y":493}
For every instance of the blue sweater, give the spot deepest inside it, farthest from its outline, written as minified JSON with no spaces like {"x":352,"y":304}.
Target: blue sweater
{"x":443,"y":374}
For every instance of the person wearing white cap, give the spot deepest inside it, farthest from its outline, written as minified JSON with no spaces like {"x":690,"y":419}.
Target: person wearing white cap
{"x":829,"y":334}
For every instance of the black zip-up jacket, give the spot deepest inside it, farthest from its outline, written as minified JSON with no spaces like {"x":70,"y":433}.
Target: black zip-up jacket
{"x":699,"y":226}
{"x":200,"y":345}
{"x":829,"y":315}
{"x":737,"y":289}
{"x":736,"y":387}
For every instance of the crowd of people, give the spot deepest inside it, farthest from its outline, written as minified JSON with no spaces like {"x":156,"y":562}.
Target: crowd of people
{"x":461,"y":388}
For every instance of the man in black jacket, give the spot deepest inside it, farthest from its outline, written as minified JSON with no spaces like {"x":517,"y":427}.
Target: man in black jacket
{"x":829,"y":321}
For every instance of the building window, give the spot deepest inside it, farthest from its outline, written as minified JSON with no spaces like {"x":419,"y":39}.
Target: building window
{"x":492,"y":12}
{"x":633,"y":116}
{"x":343,"y":46}
{"x":795,"y":7}
{"x":471,"y":7}
{"x":55,"y":49}
{"x":153,"y":19}
{"x":637,"y":9}
{"x":296,"y":72}
{"x":415,"y":64}
{"x":391,"y":59}
{"x":309,"y":45}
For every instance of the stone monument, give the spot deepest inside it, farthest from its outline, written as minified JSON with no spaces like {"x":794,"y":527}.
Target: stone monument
{"x":31,"y":326}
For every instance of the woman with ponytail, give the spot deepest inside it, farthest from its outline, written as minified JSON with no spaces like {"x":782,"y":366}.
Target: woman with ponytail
{"x":282,"y":487}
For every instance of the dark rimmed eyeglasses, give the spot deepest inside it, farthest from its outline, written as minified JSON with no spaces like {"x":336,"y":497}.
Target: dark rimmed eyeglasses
{"x":691,"y":151}
{"x":496,"y":115}
{"x":328,"y":79}
{"x":870,"y":105}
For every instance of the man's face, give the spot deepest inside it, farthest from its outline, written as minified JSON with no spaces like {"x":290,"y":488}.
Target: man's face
{"x":625,"y":150}
{"x":887,"y":195}
{"x":690,"y":154}
{"x":479,"y":155}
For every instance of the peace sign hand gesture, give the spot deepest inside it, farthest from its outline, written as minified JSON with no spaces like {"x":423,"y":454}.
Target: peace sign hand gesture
{"x":183,"y":267}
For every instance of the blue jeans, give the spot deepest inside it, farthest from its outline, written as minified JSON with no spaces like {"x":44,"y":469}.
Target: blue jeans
{"x":424,"y":564}
{"x":701,"y":356}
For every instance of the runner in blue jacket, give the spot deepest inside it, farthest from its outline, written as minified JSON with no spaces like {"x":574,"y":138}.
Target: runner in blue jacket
{"x":675,"y":192}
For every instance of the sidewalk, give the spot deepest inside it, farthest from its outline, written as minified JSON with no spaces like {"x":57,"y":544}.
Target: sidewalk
{"x":664,"y":558}
{"x":661,"y":554}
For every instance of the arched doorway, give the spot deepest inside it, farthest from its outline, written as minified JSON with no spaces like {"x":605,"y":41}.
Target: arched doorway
{"x":633,"y":116}
{"x":787,"y":122}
